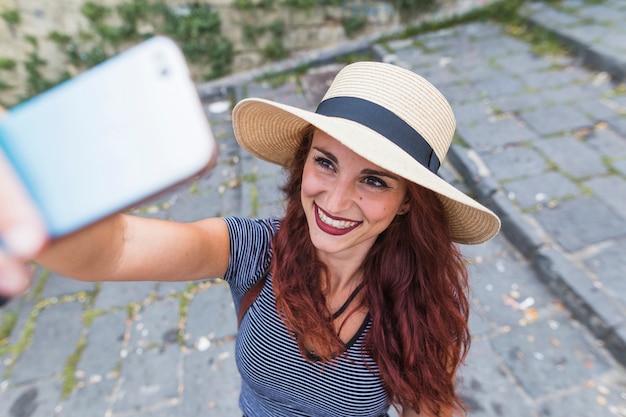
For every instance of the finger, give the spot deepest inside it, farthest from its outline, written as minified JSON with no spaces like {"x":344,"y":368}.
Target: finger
{"x":22,"y":231}
{"x":15,"y":277}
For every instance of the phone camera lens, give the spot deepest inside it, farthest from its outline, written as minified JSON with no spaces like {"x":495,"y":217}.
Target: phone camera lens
{"x":165,"y":72}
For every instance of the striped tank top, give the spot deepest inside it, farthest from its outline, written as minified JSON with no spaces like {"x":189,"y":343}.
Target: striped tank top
{"x":275,"y":379}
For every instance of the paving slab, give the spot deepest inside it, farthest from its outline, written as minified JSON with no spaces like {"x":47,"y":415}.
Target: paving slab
{"x":578,"y":223}
{"x":611,"y":191}
{"x":541,"y":189}
{"x":515,"y":162}
{"x":572,"y":156}
{"x":608,"y":263}
{"x":495,"y":134}
{"x":557,"y":119}
{"x":147,"y":378}
{"x":55,"y":338}
{"x":120,"y":294}
{"x":94,"y":399}
{"x":155,"y":326}
{"x":487,"y":388}
{"x":211,"y":316}
{"x":211,"y":382}
{"x":104,"y":344}
{"x":37,"y":399}
{"x":561,"y":358}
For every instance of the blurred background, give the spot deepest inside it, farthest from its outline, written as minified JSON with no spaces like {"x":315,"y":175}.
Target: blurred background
{"x":537,"y":90}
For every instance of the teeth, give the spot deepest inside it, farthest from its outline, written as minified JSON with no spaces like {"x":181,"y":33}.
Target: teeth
{"x":337,"y":224}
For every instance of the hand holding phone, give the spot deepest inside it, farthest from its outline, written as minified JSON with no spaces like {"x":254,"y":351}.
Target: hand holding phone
{"x":110,"y":137}
{"x":99,"y":143}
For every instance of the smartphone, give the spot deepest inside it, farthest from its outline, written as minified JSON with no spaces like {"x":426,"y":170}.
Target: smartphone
{"x":111,"y":137}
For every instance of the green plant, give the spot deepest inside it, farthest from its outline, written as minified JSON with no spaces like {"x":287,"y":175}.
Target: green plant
{"x":266,"y":4}
{"x":131,"y":14}
{"x":95,"y":13}
{"x":252,"y":33}
{"x":4,"y":86}
{"x":410,"y":8}
{"x":244,"y":4}
{"x":35,"y":81}
{"x":353,"y":24}
{"x":357,"y":56}
{"x":275,"y":50}
{"x":250,"y":4}
{"x":60,"y":38}
{"x":221,"y":57}
{"x":7,"y":64}
{"x":503,"y":11}
{"x":89,"y":46}
{"x":12,"y":17}
{"x":277,"y":29}
{"x":69,"y":371}
{"x":198,"y":31}
{"x":103,"y":35}
{"x":7,"y":323}
{"x":300,"y":4}
{"x":96,"y":43}
{"x":196,"y":28}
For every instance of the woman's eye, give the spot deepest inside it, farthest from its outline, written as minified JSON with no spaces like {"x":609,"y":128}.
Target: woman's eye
{"x":324,"y":163}
{"x":375,"y":182}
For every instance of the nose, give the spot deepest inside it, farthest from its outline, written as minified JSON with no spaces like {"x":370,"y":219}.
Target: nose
{"x":339,"y":196}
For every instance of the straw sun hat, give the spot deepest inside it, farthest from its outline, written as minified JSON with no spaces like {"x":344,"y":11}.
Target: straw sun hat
{"x":386,"y":114}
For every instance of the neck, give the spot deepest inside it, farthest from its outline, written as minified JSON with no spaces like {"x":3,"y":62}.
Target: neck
{"x":342,"y":274}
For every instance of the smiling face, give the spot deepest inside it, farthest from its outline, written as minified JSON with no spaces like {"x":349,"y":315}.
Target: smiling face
{"x":348,"y":201}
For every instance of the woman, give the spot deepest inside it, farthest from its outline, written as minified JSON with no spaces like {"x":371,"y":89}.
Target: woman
{"x":355,"y":300}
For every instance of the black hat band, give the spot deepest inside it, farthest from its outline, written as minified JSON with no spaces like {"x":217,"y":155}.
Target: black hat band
{"x":385,"y":122}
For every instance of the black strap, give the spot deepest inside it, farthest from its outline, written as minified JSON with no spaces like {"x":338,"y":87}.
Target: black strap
{"x":255,"y":290}
{"x":249,"y":297}
{"x":348,"y":301}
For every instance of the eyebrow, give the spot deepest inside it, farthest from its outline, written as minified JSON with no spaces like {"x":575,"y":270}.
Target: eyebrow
{"x":366,"y":171}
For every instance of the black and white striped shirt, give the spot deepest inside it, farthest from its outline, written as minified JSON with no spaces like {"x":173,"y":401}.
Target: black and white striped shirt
{"x":276,"y":379}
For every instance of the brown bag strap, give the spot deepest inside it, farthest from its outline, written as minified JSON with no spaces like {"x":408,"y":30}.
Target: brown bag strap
{"x":250,"y":296}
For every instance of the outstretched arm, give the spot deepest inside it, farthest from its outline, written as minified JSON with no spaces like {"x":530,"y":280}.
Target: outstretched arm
{"x":130,"y":248}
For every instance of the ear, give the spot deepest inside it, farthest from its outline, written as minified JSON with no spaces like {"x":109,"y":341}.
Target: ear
{"x":404,"y":208}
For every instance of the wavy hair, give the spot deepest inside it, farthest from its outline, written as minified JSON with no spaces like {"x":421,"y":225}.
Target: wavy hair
{"x":415,"y":291}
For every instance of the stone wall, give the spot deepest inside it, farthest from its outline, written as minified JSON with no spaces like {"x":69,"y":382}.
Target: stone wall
{"x":304,"y":29}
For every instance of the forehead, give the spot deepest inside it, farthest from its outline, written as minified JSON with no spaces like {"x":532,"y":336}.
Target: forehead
{"x":325,"y":142}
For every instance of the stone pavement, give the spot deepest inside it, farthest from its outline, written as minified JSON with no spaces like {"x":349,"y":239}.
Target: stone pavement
{"x":541,"y":139}
{"x":596,"y":32}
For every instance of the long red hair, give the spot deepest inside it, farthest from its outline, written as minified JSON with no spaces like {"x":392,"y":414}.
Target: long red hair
{"x":415,"y":291}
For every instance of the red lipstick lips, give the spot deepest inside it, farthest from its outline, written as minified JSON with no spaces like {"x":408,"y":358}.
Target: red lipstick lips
{"x":333,"y":225}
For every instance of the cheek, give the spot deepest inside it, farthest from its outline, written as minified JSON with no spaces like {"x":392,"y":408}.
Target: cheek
{"x":305,"y":187}
{"x":385,"y":212}
{"x":311,"y":185}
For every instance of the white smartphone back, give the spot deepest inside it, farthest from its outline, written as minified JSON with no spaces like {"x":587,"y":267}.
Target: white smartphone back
{"x":110,"y":137}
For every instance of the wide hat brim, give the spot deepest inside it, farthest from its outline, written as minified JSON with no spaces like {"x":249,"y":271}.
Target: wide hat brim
{"x":273,"y":131}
